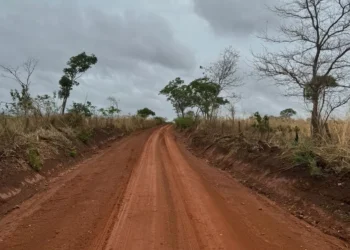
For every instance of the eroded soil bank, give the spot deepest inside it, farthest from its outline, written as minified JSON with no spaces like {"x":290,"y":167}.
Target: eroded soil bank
{"x":322,"y":201}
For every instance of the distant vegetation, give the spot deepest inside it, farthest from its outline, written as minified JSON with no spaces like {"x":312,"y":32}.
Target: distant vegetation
{"x":145,"y":112}
{"x":35,"y":128}
{"x":313,"y":66}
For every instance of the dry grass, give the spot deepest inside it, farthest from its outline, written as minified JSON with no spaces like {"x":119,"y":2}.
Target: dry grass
{"x":335,"y":151}
{"x":50,"y":134}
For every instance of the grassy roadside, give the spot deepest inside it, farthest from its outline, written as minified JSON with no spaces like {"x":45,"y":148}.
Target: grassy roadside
{"x":311,"y":180}
{"x":35,"y":139}
{"x":35,"y":150}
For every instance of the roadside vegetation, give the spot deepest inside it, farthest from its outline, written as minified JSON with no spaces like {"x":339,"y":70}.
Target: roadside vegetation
{"x":312,"y":65}
{"x":36,"y":128}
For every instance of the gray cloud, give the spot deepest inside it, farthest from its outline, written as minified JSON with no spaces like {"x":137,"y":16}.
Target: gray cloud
{"x":227,"y":17}
{"x":140,"y":47}
{"x":137,"y":51}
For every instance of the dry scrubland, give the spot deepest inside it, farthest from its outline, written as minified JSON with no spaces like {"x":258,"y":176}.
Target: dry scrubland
{"x":291,"y":136}
{"x":34,"y":139}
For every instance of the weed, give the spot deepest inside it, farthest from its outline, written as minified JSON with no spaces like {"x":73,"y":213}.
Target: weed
{"x":73,"y":153}
{"x":34,"y":159}
{"x":84,"y":135}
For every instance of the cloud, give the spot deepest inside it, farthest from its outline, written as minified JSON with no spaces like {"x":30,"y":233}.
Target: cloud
{"x":140,"y":47}
{"x":236,"y":17}
{"x":137,"y":51}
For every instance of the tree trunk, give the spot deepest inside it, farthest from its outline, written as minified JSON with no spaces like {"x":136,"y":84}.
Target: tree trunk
{"x":328,"y":132}
{"x":64,"y":103}
{"x":315,"y":119}
{"x":182,"y":113}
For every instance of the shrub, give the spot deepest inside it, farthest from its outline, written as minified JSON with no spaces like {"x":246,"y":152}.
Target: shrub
{"x":184,"y":123}
{"x":34,"y":159}
{"x":84,"y":135}
{"x":304,"y":155}
{"x":159,"y":120}
{"x":73,"y":153}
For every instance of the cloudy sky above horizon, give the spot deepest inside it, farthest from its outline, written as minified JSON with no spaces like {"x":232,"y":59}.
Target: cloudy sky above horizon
{"x":141,"y":45}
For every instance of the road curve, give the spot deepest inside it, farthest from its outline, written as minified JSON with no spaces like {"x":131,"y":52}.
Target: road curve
{"x":149,"y":192}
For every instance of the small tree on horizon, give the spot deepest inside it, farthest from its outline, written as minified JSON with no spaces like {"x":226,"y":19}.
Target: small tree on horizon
{"x":145,"y":113}
{"x":22,"y":100}
{"x":287,"y":113}
{"x":179,"y":95}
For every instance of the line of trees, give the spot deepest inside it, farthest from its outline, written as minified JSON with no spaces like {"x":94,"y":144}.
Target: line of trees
{"x":208,"y":93}
{"x":23,"y":104}
{"x":314,"y":65}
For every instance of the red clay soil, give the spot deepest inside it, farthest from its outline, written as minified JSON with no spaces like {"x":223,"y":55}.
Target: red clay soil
{"x":18,"y":181}
{"x":322,"y":201}
{"x":148,"y":192}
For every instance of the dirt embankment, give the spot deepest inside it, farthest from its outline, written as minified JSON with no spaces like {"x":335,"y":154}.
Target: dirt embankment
{"x":322,"y":201}
{"x":147,"y":191}
{"x":19,"y":181}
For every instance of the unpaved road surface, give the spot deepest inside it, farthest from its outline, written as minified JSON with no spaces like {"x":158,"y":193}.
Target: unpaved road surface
{"x":148,"y":192}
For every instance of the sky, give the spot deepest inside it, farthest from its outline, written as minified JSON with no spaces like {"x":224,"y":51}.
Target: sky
{"x":140,"y":44}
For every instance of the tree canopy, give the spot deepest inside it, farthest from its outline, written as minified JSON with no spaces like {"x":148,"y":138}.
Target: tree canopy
{"x":288,"y":113}
{"x":145,"y":112}
{"x":203,"y":94}
{"x":77,"y":65}
{"x":178,"y":94}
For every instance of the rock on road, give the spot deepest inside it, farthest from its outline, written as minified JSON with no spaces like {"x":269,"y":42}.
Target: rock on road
{"x":148,"y":192}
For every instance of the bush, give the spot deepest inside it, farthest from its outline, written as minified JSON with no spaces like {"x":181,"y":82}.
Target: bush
{"x":159,"y":120}
{"x":84,"y":135}
{"x":34,"y":159}
{"x":184,"y":122}
{"x":304,"y":155}
{"x":73,"y":153}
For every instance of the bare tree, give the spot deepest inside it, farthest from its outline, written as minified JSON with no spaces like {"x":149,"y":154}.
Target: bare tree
{"x":22,"y":100}
{"x":224,"y":72}
{"x":316,"y":63}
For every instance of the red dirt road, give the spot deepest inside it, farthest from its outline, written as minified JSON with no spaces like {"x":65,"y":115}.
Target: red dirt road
{"x":148,"y":192}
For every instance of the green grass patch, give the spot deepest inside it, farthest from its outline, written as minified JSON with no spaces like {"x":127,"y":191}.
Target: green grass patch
{"x":34,"y":159}
{"x":184,"y":123}
{"x":84,"y":136}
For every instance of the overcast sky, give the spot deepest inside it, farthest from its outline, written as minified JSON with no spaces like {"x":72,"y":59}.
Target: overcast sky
{"x":141,"y":45}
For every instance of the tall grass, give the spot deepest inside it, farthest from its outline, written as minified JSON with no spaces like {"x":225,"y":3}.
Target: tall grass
{"x":335,"y":151}
{"x":49,"y":134}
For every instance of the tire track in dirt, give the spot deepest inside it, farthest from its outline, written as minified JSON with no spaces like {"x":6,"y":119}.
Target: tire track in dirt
{"x":74,"y":211}
{"x":149,"y":192}
{"x":169,"y":205}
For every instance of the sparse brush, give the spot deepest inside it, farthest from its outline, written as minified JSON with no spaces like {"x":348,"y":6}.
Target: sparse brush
{"x":44,"y":137}
{"x":291,"y":135}
{"x":84,"y":135}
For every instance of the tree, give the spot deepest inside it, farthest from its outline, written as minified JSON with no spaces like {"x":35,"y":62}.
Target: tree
{"x":315,"y":65}
{"x":22,"y":101}
{"x":224,"y":72}
{"x":112,"y":109}
{"x":77,"y":66}
{"x":145,"y":112}
{"x":287,"y":113}
{"x":178,"y":94}
{"x":85,"y":109}
{"x":204,"y":96}
{"x":45,"y":105}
